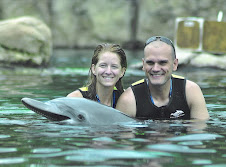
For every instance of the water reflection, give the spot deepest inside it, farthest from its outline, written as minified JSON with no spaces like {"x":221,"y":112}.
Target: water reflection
{"x":28,"y":139}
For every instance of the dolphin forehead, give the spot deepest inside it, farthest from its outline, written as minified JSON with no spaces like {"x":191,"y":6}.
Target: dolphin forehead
{"x":72,"y":111}
{"x":80,"y":109}
{"x":79,"y":104}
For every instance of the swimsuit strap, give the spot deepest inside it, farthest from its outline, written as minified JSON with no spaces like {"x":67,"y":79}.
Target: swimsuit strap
{"x":169,"y":92}
{"x":98,"y":99}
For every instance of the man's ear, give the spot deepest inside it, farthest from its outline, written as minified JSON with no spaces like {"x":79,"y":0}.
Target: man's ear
{"x":143,"y":64}
{"x":93,"y":69}
{"x":175,"y":64}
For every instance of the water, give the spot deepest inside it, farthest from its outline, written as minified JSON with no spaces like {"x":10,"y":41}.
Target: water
{"x":28,"y":139}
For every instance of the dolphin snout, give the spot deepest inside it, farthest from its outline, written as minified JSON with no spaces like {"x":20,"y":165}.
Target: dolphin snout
{"x":46,"y":110}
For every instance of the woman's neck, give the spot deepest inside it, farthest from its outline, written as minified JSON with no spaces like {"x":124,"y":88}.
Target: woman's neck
{"x":105,"y":95}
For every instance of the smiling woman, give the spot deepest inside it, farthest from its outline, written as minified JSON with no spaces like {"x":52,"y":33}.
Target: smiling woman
{"x":107,"y":68}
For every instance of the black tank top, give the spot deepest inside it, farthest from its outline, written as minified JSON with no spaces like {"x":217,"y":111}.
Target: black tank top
{"x":177,"y":108}
{"x":84,"y":92}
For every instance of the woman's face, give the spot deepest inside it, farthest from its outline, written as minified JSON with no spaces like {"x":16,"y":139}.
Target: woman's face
{"x":108,"y":69}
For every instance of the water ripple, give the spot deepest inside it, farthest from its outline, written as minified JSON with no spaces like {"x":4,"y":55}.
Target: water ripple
{"x":5,"y":149}
{"x":179,"y":148}
{"x":90,"y":154}
{"x":4,"y":136}
{"x":196,"y":137}
{"x":14,"y":160}
{"x":97,"y":155}
{"x":46,"y":150}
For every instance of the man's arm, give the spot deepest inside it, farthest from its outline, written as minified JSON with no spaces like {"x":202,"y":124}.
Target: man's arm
{"x":127,"y":103}
{"x":196,"y":101}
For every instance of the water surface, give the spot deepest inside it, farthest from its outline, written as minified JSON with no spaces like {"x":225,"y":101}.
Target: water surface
{"x":28,"y":139}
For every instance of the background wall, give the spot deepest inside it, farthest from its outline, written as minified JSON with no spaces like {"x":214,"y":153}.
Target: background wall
{"x":85,"y":23}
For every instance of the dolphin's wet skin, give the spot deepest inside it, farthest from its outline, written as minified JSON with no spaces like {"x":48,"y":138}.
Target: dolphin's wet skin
{"x":80,"y":110}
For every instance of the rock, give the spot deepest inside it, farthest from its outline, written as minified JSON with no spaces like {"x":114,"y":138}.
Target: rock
{"x":184,"y":56}
{"x":25,"y":41}
{"x":200,"y":59}
{"x":209,"y":60}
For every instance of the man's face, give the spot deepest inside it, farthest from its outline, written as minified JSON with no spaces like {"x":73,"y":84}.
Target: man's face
{"x":158,"y":62}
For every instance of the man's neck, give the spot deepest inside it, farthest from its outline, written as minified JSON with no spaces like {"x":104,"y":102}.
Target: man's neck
{"x":160,"y":94}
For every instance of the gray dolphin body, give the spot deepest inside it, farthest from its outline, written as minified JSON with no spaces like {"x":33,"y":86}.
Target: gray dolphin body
{"x":80,"y":110}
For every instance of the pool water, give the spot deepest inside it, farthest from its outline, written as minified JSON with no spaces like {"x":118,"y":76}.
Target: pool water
{"x":28,"y":139}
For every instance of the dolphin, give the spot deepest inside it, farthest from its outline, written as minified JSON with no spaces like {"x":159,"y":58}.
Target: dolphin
{"x":79,"y":110}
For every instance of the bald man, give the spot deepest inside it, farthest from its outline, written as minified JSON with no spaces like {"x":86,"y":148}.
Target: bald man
{"x":162,"y":95}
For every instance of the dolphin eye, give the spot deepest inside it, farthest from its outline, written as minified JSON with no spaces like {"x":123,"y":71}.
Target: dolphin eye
{"x":81,"y":117}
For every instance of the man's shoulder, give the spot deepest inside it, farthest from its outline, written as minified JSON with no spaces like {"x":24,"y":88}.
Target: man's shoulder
{"x":177,"y":76}
{"x":138,"y":82}
{"x":191,"y":85}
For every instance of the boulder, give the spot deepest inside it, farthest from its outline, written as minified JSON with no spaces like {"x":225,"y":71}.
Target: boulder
{"x":25,"y":41}
{"x":209,"y":60}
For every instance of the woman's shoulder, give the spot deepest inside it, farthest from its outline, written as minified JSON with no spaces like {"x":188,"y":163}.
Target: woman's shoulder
{"x":76,"y":93}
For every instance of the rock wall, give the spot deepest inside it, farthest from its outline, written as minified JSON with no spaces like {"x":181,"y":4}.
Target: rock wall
{"x":85,"y":23}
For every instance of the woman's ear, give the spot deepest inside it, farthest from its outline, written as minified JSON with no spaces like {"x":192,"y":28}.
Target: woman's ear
{"x":93,"y":69}
{"x":123,"y":72}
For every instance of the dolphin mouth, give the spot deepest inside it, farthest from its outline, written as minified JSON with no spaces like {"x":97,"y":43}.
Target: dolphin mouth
{"x":42,"y":109}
